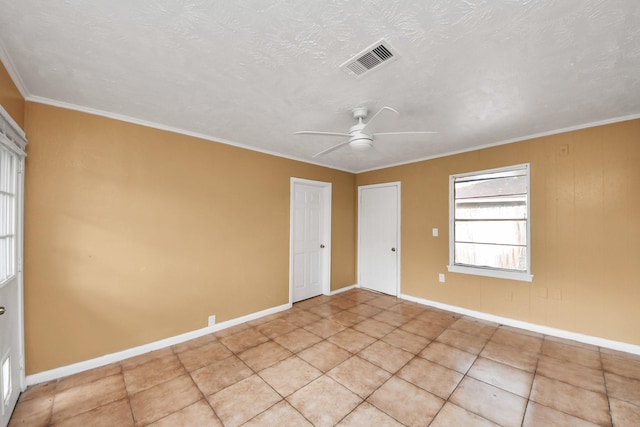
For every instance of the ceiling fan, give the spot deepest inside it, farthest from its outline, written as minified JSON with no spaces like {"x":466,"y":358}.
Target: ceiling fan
{"x":361,"y":135}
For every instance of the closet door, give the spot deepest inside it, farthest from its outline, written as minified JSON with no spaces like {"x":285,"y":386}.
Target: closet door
{"x":310,"y":238}
{"x":379,"y":237}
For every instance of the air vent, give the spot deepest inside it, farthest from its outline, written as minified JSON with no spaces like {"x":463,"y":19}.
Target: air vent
{"x":372,"y":57}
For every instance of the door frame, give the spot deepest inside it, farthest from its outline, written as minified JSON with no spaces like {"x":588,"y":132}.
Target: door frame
{"x":396,"y":184}
{"x":326,"y":256}
{"x":14,"y":139}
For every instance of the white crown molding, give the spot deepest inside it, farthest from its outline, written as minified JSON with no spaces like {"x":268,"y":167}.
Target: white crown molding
{"x":61,"y":104}
{"x":10,"y":66}
{"x":97,"y":362}
{"x":121,"y":117}
{"x":510,"y":141}
{"x":133,"y":120}
{"x":546,"y":330}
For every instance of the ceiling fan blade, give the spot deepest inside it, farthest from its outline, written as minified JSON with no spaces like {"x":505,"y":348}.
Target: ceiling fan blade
{"x":383,"y":112}
{"x":313,"y":132}
{"x":330,"y":149}
{"x":403,"y":137}
{"x":403,"y":133}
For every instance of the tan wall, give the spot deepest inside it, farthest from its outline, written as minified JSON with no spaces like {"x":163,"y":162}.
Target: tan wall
{"x":10,"y":97}
{"x":135,"y":234}
{"x":585,"y":226}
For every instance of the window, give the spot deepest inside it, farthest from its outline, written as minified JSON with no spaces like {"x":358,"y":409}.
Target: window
{"x":489,"y":223}
{"x":7,"y":214}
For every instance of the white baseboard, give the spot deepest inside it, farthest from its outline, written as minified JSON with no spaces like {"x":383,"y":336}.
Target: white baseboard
{"x":345,"y":289}
{"x":560,"y":333}
{"x":97,"y":362}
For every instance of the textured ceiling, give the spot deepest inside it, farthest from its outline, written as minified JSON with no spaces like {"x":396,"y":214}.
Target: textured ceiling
{"x":253,"y":72}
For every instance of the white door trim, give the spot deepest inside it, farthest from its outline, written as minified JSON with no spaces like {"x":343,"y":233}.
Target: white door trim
{"x":326,"y":256}
{"x":20,"y":272}
{"x":396,"y":184}
{"x":12,"y":138}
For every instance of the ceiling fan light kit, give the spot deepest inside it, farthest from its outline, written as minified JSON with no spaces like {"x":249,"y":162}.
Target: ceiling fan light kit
{"x":361,"y":135}
{"x":361,"y":144}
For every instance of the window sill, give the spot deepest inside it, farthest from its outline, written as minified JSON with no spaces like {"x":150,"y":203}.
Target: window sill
{"x":500,"y":274}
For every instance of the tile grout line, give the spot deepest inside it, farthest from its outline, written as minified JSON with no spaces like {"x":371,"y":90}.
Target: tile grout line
{"x":536,"y":374}
{"x":133,"y":418}
{"x":365,"y":399}
{"x":53,"y":402}
{"x":465,"y":373}
{"x":392,"y":375}
{"x":196,"y":385}
{"x":56,"y":393}
{"x":283,"y":398}
{"x":533,"y":380}
{"x":606,"y":388}
{"x":351,"y":353}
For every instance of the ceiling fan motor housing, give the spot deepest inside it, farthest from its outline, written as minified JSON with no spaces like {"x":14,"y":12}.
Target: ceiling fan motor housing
{"x":360,"y":140}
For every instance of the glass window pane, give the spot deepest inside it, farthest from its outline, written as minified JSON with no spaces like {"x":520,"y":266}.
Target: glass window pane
{"x":3,"y":214}
{"x":490,"y":219}
{"x":8,"y":180}
{"x":498,"y":232}
{"x":491,"y":187}
{"x":482,"y":255}
{"x":3,"y":265}
{"x":490,"y":208}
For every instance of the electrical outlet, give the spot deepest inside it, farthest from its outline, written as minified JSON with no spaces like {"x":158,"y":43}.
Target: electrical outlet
{"x":434,"y":232}
{"x":441,"y":278}
{"x":212,"y":320}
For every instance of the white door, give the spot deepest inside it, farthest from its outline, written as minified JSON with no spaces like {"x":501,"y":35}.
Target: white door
{"x":310,"y":238}
{"x":378,"y":237}
{"x":11,"y":360}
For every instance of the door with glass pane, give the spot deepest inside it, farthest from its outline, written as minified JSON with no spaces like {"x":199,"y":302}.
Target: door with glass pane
{"x":10,"y":283}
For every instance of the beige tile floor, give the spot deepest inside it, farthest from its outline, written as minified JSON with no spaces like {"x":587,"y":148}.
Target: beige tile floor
{"x":354,"y":359}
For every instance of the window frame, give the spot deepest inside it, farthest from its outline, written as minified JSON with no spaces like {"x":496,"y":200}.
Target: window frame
{"x":525,"y":276}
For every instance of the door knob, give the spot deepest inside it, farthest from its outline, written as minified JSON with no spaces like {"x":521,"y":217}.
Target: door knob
{"x":2,"y":310}
{"x":321,"y":246}
{"x":393,"y":249}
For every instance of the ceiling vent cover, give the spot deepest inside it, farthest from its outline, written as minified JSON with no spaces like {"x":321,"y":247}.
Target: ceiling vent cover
{"x":372,"y":57}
